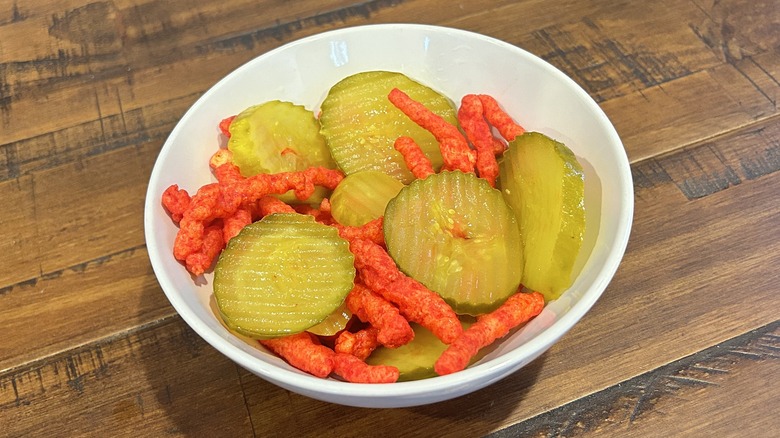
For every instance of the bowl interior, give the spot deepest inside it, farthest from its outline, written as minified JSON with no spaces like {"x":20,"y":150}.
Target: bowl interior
{"x":455,"y":63}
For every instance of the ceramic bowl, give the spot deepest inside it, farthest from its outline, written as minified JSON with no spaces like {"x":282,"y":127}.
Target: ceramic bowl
{"x":453,"y":62}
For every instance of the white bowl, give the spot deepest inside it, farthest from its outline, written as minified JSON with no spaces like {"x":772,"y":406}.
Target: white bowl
{"x":454,"y":62}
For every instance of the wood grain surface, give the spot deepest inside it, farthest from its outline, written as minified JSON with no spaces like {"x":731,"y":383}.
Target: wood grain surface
{"x":684,"y":341}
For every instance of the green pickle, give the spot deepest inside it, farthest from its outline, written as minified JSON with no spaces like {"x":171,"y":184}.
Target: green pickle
{"x":455,"y":234}
{"x":282,"y":275}
{"x":362,"y":197}
{"x":544,"y":184}
{"x":360,"y":124}
{"x":279,"y":136}
{"x":416,"y":359}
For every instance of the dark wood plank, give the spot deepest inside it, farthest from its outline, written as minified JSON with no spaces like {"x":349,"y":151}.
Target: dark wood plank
{"x":131,"y":384}
{"x":663,"y":402}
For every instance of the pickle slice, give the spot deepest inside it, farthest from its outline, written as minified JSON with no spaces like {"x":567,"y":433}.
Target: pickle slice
{"x":279,"y":136}
{"x":544,"y":184}
{"x":360,"y":124}
{"x":333,"y":323}
{"x":456,"y":235}
{"x":416,"y":359}
{"x":282,"y":275}
{"x":362,"y":197}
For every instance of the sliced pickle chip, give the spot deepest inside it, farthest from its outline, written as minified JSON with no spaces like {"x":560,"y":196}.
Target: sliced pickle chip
{"x":362,"y":197}
{"x":276,"y":137}
{"x":282,"y":275}
{"x":456,"y":235}
{"x":416,"y":359}
{"x":544,"y":184}
{"x":360,"y":124}
{"x":333,"y":323}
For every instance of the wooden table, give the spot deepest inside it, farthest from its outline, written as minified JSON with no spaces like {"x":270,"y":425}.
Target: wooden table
{"x":685,"y":341}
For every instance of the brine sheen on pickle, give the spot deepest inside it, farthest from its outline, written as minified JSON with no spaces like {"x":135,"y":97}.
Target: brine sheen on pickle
{"x":282,"y":275}
{"x":456,"y":235}
{"x":544,"y":184}
{"x":278,"y":136}
{"x":362,"y":197}
{"x":414,"y":360}
{"x":360,"y":124}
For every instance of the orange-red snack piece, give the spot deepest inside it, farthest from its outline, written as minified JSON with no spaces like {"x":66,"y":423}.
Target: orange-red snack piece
{"x":232,"y":225}
{"x":415,"y":159}
{"x":359,"y":344}
{"x":212,"y":244}
{"x":321,"y":214}
{"x":472,"y":120}
{"x":497,"y":117}
{"x":371,"y":230}
{"x":454,"y":148}
{"x":176,"y":201}
{"x":393,"y":329}
{"x":303,"y":351}
{"x":355,"y":370}
{"x":224,"y":125}
{"x":417,"y":303}
{"x":271,"y":204}
{"x":517,"y":309}
{"x":224,"y":170}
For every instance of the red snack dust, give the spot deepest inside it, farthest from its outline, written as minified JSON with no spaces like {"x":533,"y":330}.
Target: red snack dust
{"x":472,"y":120}
{"x":497,"y":117}
{"x":176,"y":201}
{"x":355,"y":370}
{"x":394,"y":329}
{"x":417,"y":303}
{"x":415,"y":159}
{"x":224,"y":125}
{"x":303,"y":351}
{"x":359,"y":344}
{"x":517,"y":309}
{"x":455,"y":149}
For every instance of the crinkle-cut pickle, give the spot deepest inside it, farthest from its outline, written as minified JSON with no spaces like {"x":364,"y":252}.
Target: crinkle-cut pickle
{"x":416,"y":359}
{"x":360,"y":124}
{"x":278,"y":136}
{"x":456,"y":235}
{"x":544,"y":184}
{"x":362,"y":197}
{"x":282,"y":275}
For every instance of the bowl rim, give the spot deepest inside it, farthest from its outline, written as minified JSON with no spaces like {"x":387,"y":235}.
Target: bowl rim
{"x":489,"y":371}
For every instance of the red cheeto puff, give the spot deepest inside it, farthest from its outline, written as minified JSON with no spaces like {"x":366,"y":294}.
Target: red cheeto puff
{"x":371,"y":231}
{"x":472,"y":120}
{"x":303,"y":351}
{"x":417,"y":303}
{"x":176,"y":201}
{"x":394,"y":329}
{"x":497,"y":117}
{"x":224,"y":126}
{"x":454,"y":148}
{"x":355,"y":370}
{"x":359,"y":344}
{"x":517,"y":309}
{"x":420,"y":166}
